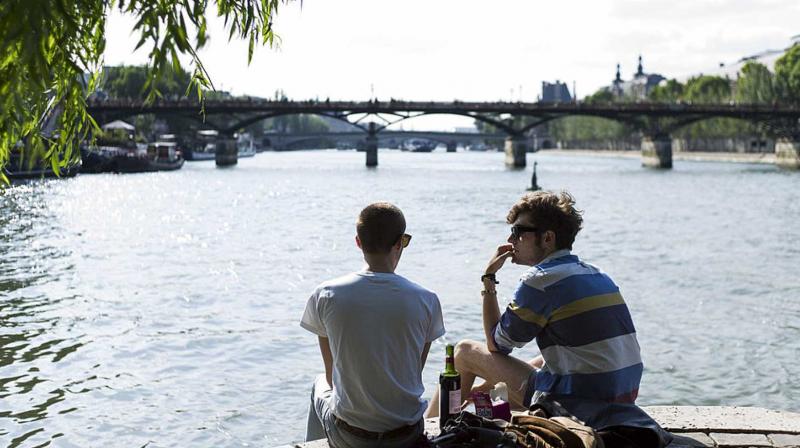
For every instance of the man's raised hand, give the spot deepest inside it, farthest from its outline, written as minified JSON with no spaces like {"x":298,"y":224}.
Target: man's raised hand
{"x":500,"y":256}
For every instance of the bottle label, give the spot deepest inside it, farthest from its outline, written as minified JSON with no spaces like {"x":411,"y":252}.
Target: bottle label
{"x":455,"y":401}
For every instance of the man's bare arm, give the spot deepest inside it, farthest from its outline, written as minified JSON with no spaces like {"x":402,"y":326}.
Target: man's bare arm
{"x":491,"y":316}
{"x":491,"y":310}
{"x":327,"y":358}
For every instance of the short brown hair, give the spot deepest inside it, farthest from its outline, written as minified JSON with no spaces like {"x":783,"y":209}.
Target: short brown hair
{"x":550,"y":211}
{"x":379,"y":227}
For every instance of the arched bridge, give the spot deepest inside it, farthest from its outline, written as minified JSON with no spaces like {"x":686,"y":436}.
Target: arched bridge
{"x":655,"y":121}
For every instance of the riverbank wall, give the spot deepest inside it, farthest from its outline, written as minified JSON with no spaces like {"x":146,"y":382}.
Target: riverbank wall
{"x":694,"y":156}
{"x":739,"y":145}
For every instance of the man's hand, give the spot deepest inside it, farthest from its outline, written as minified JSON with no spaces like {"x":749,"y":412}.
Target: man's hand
{"x":503,"y":252}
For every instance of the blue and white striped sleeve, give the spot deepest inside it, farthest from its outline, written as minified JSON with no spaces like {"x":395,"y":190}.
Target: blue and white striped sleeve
{"x":522,"y":320}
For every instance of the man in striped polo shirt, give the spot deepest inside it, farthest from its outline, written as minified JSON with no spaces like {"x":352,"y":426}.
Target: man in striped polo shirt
{"x":590,"y":359}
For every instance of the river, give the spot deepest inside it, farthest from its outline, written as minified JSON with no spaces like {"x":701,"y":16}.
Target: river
{"x":162,"y":309}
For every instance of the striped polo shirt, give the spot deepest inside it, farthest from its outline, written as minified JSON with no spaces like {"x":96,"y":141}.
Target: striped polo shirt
{"x":582,"y":327}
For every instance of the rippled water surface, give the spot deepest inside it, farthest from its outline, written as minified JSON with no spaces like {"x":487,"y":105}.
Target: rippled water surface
{"x":162,"y":309}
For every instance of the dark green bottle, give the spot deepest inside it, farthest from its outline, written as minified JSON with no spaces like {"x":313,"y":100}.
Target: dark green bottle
{"x":449,"y":390}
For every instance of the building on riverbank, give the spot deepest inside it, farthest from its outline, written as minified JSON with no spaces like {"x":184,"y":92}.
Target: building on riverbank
{"x":555,"y":92}
{"x":638,"y":87}
{"x":731,"y":70}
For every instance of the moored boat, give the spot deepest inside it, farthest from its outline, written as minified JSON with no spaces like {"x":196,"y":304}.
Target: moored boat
{"x":246,"y":148}
{"x":21,"y":166}
{"x":158,"y":156}
{"x":418,"y":145}
{"x":204,"y":147}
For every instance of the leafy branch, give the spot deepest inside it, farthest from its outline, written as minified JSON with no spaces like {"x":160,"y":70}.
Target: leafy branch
{"x":51,"y":54}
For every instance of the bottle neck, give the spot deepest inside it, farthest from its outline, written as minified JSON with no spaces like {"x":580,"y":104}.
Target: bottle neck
{"x":450,"y":366}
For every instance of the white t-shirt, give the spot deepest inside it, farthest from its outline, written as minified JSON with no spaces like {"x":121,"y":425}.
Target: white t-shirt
{"x":377,"y":325}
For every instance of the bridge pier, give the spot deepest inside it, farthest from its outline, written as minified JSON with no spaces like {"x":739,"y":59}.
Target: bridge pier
{"x":451,"y":146}
{"x":657,"y":151}
{"x":227,"y":152}
{"x":516,"y":147}
{"x":371,"y":147}
{"x":787,"y":153}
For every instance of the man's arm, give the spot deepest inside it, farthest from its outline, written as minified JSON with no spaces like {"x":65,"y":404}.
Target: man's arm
{"x":491,"y":315}
{"x":491,"y":310}
{"x":327,"y":358}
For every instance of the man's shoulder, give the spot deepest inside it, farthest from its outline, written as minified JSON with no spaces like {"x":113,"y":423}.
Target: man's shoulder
{"x":555,"y":270}
{"x":413,"y":286}
{"x":342,"y":281}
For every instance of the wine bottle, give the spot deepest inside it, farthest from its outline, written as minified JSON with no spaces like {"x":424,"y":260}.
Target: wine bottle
{"x":449,"y":389}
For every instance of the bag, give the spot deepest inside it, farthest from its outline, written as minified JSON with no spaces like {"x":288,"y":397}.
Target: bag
{"x":468,"y":430}
{"x":534,"y":431}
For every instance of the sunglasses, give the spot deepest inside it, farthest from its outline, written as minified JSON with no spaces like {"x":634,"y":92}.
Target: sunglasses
{"x":405,"y":239}
{"x":517,"y":230}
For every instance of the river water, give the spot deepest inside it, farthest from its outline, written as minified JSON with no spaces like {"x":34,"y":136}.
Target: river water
{"x":162,"y":309}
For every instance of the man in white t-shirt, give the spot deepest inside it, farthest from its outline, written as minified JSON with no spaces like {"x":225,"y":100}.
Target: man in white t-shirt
{"x":375,"y":329}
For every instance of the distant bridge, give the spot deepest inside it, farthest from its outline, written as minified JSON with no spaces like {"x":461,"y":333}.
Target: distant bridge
{"x":654,"y":121}
{"x":390,"y":138}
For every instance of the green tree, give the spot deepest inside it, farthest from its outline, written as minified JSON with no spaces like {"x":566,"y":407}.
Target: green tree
{"x":130,"y":81}
{"x":48,"y":46}
{"x":787,"y":75}
{"x":601,"y":96}
{"x":667,"y":92}
{"x":708,"y":89}
{"x":755,"y":84}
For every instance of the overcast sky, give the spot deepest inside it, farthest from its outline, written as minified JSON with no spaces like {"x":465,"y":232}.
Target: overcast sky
{"x":480,"y":50}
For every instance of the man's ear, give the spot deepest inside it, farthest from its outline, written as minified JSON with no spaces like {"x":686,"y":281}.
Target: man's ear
{"x":550,"y":237}
{"x":358,"y":242}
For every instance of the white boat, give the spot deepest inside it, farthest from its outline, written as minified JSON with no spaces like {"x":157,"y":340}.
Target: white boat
{"x":205,"y":147}
{"x":418,"y":145}
{"x":245,"y":145}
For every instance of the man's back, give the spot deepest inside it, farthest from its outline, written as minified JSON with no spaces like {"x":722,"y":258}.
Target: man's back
{"x":377,"y":325}
{"x":582,"y":327}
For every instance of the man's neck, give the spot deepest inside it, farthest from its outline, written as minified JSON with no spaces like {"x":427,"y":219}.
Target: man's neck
{"x":379,"y":264}
{"x":555,"y":254}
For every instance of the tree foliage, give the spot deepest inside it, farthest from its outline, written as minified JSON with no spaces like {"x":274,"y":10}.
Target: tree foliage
{"x":787,"y":75}
{"x":708,"y":90}
{"x":756,"y":84}
{"x":47,"y":48}
{"x":669,"y":91}
{"x":129,"y":81}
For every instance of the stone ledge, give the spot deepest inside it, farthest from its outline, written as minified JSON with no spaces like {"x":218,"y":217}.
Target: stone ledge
{"x":699,"y":426}
{"x":721,"y":419}
{"x":736,"y":440}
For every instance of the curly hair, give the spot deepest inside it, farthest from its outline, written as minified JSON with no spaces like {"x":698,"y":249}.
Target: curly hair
{"x":550,"y":211}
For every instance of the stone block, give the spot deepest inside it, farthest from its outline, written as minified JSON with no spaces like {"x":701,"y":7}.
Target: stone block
{"x":691,"y":439}
{"x":785,"y":440}
{"x":724,"y":419}
{"x":740,"y":440}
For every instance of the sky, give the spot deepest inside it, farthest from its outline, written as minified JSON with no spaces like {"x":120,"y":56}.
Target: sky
{"x":441,"y":50}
